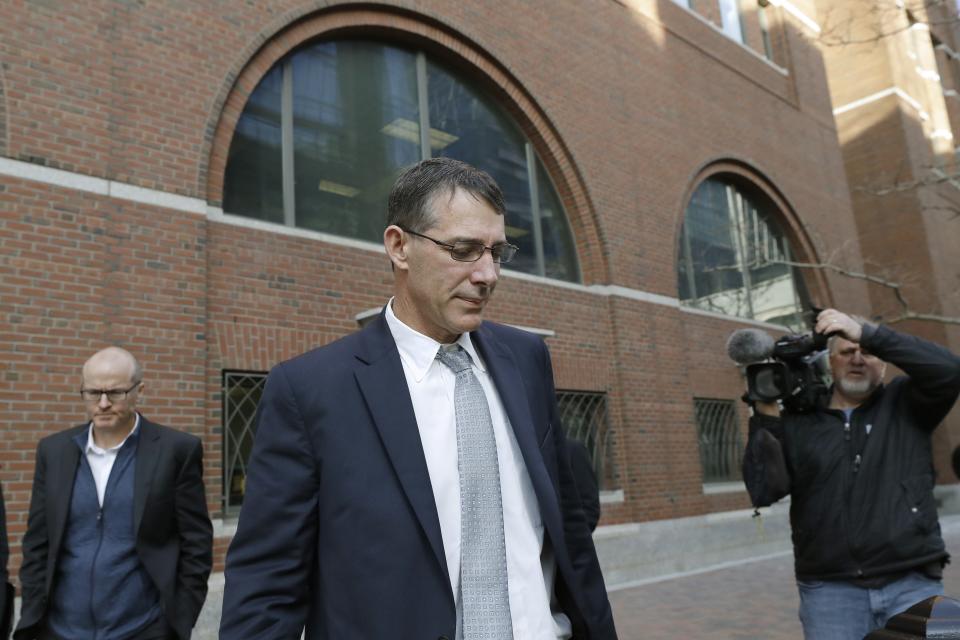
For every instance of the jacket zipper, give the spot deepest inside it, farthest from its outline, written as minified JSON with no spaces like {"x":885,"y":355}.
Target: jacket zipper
{"x":848,"y":490}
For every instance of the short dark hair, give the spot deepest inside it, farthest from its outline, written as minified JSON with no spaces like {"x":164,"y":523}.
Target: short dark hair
{"x":411,"y":200}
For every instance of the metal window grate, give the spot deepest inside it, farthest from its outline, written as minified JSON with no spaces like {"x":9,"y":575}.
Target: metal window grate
{"x":721,"y":447}
{"x":585,"y":417}
{"x":241,"y":395}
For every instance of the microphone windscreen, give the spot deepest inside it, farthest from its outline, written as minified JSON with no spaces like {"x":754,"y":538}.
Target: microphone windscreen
{"x":746,"y":346}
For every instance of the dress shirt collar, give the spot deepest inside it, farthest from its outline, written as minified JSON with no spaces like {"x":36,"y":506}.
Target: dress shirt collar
{"x":93,"y":448}
{"x":418,"y":351}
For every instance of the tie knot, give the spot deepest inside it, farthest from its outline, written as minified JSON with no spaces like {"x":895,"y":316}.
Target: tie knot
{"x":456,"y":359}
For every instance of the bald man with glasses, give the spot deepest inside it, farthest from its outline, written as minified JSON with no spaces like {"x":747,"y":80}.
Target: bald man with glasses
{"x":118,"y":542}
{"x":412,"y":480}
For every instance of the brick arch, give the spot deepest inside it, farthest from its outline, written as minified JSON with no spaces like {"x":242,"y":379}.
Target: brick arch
{"x":405,"y":27}
{"x":793,"y":226}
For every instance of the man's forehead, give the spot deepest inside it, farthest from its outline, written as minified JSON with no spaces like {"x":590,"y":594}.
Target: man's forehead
{"x":443,"y":200}
{"x":109,"y":363}
{"x":846,"y":347}
{"x":842,"y":344}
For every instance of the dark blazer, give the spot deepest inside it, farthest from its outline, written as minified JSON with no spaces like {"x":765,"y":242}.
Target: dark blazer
{"x":586,"y":479}
{"x":174,"y":533}
{"x":339,"y":530}
{"x":6,"y":589}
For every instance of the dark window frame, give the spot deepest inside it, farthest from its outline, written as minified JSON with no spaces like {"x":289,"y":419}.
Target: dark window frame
{"x":238,"y":424}
{"x":719,"y":440}
{"x":585,"y":416}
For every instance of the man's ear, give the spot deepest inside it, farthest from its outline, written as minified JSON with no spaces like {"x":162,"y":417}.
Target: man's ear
{"x":395,"y":243}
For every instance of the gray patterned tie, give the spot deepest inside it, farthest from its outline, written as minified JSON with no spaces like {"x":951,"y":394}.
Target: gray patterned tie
{"x":484,"y":596}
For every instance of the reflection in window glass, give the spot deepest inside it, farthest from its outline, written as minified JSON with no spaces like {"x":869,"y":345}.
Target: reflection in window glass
{"x":253,"y":175}
{"x":558,"y":248}
{"x":730,"y":19}
{"x":733,"y":257}
{"x":466,"y":126}
{"x":352,"y":119}
{"x":353,"y":104}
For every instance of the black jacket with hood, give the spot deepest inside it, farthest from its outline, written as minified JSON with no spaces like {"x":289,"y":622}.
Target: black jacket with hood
{"x":861,"y":491}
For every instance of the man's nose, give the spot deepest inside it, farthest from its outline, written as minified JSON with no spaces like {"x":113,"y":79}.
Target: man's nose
{"x":485,"y":270}
{"x":104,"y":401}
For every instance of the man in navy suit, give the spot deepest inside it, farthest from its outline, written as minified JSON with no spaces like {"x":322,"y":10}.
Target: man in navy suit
{"x":353,"y":524}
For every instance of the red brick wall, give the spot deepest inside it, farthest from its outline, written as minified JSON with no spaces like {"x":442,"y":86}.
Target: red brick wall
{"x":80,"y":272}
{"x":627,"y":104}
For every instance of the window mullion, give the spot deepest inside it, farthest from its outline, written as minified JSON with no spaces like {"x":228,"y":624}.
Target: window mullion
{"x":286,"y":145}
{"x":423,"y":105}
{"x":735,"y":206}
{"x":688,"y":259}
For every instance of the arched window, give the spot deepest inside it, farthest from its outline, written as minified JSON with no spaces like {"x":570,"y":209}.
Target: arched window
{"x":329,"y":128}
{"x":734,"y":257}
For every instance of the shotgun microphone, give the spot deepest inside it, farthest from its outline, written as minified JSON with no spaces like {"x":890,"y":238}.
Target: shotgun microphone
{"x":746,"y":346}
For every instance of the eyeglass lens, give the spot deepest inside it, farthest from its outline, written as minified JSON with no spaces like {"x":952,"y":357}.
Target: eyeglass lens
{"x":473,"y":251}
{"x":113,"y":395}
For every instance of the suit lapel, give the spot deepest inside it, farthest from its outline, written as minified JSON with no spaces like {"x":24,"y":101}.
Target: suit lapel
{"x":383,"y":385}
{"x":144,"y":467}
{"x":513,"y":394}
{"x":61,"y":472}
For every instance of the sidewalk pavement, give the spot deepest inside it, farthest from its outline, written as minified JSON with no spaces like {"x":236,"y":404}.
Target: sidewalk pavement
{"x":744,"y":601}
{"x":754,"y":600}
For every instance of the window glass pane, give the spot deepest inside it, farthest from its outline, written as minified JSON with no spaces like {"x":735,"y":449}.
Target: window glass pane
{"x":467,"y":126}
{"x":730,"y":18}
{"x":733,"y":257}
{"x":584,"y":417}
{"x":355,"y":121}
{"x":559,"y":251}
{"x":772,"y":286}
{"x":721,"y":448}
{"x":717,"y":278}
{"x":253,"y":179}
{"x":356,"y":124}
{"x":241,"y":396}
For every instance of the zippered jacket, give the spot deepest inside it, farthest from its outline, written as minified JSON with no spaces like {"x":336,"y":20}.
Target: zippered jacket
{"x":861,"y":490}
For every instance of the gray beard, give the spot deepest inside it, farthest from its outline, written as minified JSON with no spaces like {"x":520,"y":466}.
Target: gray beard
{"x":856,"y":388}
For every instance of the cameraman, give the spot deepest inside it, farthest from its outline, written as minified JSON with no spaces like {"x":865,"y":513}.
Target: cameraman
{"x":858,"y":468}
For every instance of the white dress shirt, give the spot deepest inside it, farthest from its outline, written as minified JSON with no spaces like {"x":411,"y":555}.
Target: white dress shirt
{"x":531,"y":568}
{"x":101,"y":460}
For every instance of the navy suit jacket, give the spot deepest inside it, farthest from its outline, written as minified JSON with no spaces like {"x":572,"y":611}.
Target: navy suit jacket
{"x":339,"y":531}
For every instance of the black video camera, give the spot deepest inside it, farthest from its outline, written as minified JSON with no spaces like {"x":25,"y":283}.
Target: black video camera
{"x":796,"y":377}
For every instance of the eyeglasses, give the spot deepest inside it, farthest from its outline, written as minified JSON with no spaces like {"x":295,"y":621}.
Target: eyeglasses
{"x":113,"y":395}
{"x":470,"y":250}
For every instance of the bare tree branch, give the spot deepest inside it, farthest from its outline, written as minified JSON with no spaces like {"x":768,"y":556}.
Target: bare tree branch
{"x":896,"y":287}
{"x":930,"y":179}
{"x":884,"y":11}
